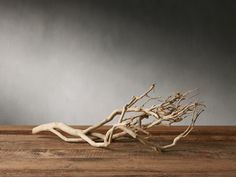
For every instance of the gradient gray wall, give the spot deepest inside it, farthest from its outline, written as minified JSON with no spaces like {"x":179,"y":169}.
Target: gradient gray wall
{"x":76,"y":61}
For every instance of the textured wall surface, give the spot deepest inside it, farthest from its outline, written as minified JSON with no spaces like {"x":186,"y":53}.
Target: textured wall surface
{"x":76,"y":61}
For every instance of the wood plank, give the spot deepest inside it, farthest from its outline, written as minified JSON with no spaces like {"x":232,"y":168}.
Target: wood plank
{"x":202,"y":153}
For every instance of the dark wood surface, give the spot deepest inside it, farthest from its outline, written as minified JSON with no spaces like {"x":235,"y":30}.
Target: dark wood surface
{"x":207,"y":151}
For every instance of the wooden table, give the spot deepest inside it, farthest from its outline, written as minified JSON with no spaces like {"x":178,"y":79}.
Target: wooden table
{"x":207,"y":151}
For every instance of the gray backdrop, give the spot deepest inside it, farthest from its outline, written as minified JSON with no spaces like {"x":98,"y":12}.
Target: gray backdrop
{"x":76,"y":61}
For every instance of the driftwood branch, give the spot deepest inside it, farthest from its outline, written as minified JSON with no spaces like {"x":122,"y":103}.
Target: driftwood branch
{"x":165,"y":112}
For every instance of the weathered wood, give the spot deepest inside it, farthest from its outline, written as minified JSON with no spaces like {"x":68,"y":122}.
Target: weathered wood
{"x":207,"y":151}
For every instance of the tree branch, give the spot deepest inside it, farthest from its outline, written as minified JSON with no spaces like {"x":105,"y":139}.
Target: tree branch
{"x":171,"y":110}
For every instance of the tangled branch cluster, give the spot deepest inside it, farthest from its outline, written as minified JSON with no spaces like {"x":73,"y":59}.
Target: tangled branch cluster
{"x":135,"y":121}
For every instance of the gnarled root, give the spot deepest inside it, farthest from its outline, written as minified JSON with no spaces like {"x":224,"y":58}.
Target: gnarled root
{"x":169,"y":111}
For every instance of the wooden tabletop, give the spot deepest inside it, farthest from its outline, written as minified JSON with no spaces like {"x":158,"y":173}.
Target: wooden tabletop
{"x":207,"y":151}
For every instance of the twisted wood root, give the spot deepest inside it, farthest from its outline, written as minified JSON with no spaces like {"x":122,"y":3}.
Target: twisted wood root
{"x":167,"y":112}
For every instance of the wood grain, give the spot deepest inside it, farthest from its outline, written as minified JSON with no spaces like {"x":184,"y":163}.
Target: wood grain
{"x":207,"y":151}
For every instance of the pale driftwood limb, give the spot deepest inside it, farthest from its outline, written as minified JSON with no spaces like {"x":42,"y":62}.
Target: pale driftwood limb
{"x":169,"y":111}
